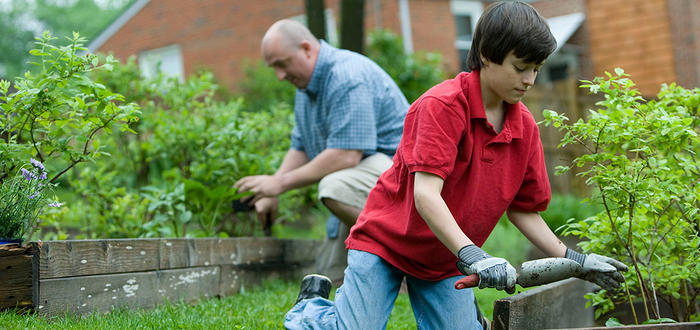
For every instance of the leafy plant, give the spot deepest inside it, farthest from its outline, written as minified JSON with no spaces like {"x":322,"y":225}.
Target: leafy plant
{"x":562,"y":208}
{"x":414,"y":73}
{"x":22,"y":199}
{"x":56,"y":114}
{"x":641,"y":156}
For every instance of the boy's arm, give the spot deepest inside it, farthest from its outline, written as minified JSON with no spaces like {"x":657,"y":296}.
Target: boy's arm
{"x":493,"y":272}
{"x":432,"y":208}
{"x":598,"y":269}
{"x":536,"y":230}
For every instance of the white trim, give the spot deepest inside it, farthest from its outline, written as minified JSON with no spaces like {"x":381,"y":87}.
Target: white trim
{"x":563,"y":27}
{"x":116,"y":25}
{"x":405,"y":18}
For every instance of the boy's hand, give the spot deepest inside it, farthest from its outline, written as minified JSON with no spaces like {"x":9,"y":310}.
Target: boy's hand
{"x":598,"y":269}
{"x":493,"y":272}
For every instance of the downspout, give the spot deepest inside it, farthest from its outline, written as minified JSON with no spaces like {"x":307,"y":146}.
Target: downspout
{"x":405,"y":17}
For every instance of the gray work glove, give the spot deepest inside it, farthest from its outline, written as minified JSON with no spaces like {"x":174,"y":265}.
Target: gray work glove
{"x":493,"y":272}
{"x":599,"y":269}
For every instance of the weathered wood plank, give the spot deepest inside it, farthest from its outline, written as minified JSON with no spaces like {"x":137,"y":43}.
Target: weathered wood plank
{"x":92,"y":257}
{"x":103,"y":293}
{"x":252,"y":250}
{"x":15,"y":281}
{"x":11,"y":250}
{"x":300,"y":251}
{"x":553,"y":306}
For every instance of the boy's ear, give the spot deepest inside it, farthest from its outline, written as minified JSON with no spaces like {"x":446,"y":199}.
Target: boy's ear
{"x":484,"y":62}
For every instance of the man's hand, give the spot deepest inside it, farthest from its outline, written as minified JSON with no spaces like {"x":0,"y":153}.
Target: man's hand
{"x":598,"y":269}
{"x":265,"y":206}
{"x":261,"y":185}
{"x":493,"y":272}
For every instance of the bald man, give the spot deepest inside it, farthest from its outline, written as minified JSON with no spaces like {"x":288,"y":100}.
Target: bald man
{"x":349,"y":119}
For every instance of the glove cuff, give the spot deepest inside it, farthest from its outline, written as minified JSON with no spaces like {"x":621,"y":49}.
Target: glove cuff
{"x":471,"y":253}
{"x":575,"y":256}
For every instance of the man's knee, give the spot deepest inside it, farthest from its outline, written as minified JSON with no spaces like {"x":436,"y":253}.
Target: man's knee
{"x":333,"y":182}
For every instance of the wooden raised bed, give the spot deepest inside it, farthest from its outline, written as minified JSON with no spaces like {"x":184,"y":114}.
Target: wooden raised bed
{"x":556,"y":306}
{"x":85,"y":276}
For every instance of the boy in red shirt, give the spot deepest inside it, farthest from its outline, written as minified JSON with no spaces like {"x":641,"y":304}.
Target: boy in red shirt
{"x":470,"y":152}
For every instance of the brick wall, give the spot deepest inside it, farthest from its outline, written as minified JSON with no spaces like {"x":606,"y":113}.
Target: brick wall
{"x":633,"y":35}
{"x":218,"y":35}
{"x":221,"y":35}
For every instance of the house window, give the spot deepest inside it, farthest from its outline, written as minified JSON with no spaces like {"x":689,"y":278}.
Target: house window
{"x":167,"y":60}
{"x":466,"y":14}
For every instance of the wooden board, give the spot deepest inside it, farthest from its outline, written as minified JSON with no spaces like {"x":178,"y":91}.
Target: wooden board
{"x":91,"y":257}
{"x":102,"y":293}
{"x":15,"y":281}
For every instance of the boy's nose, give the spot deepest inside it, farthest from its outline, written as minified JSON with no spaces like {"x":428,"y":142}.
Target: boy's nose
{"x":529,"y":77}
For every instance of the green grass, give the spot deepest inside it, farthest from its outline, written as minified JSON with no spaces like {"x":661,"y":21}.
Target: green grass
{"x":260,"y":308}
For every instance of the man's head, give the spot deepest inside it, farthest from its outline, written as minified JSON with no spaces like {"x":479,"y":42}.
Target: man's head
{"x":291,"y":50}
{"x":510,"y":26}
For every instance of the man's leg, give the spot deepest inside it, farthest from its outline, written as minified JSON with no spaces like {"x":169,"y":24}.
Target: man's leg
{"x":438,"y":305}
{"x":363,"y":302}
{"x":345,"y":212}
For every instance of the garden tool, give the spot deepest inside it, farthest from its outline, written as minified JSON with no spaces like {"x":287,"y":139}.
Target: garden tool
{"x":239,"y":206}
{"x":534,"y":272}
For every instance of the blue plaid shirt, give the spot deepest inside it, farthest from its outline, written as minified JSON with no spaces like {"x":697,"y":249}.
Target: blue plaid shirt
{"x":350,"y":103}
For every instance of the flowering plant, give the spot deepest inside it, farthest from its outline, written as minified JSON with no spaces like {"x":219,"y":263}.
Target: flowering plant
{"x":22,"y":199}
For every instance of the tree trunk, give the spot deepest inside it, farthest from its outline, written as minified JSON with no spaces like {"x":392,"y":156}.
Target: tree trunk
{"x":315,"y":18}
{"x":352,"y":27}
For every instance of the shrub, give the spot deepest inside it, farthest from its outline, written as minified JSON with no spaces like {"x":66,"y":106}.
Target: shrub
{"x":56,"y":114}
{"x":641,"y":158}
{"x":414,"y":73}
{"x":173,"y":177}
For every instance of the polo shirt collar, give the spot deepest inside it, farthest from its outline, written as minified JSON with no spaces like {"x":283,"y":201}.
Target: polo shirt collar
{"x":322,"y":65}
{"x":513,"y":125}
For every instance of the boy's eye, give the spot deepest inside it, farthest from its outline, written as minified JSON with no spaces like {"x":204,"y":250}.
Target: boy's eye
{"x":518,"y":68}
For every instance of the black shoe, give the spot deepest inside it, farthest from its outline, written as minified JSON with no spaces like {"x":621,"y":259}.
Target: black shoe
{"x":314,"y":285}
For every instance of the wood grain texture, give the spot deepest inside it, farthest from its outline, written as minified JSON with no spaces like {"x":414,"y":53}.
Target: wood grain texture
{"x":92,"y":257}
{"x":15,"y":281}
{"x":103,"y":293}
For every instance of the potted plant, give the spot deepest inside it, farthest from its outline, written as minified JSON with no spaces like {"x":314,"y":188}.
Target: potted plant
{"x":23,"y":197}
{"x":641,"y":158}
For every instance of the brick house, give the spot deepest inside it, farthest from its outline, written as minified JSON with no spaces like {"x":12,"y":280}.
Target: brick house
{"x":655,"y":41}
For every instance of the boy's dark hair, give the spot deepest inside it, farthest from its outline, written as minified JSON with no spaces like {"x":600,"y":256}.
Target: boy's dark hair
{"x":506,"y":26}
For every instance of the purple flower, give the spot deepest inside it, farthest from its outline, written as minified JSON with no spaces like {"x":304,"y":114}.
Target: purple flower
{"x":37,"y":164}
{"x":55,"y":204}
{"x":29,"y":176}
{"x":43,"y":176}
{"x":35,"y":195}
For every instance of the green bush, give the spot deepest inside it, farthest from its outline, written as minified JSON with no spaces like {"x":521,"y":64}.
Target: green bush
{"x":641,"y":158}
{"x":173,"y":177}
{"x":563,"y":208}
{"x":414,"y":73}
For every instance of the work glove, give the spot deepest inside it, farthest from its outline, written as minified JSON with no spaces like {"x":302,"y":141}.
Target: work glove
{"x":493,"y":272}
{"x":599,"y":269}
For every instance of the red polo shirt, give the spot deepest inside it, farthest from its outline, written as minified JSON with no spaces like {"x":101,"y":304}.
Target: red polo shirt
{"x":446,"y":133}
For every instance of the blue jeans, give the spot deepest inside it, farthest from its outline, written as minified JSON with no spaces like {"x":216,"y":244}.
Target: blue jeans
{"x":367,"y":296}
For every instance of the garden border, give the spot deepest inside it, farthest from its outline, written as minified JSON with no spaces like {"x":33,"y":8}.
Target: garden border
{"x":83,"y":276}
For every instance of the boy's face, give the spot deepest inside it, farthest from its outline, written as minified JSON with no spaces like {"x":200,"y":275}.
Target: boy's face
{"x":510,"y":80}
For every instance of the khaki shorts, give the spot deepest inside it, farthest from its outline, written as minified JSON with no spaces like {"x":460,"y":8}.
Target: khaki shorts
{"x":350,"y":186}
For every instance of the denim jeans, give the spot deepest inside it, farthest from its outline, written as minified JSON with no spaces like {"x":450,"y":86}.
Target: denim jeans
{"x":367,"y":296}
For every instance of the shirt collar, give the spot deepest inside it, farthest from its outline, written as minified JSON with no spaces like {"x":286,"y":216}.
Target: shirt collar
{"x":513,"y":121}
{"x":320,"y":68}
